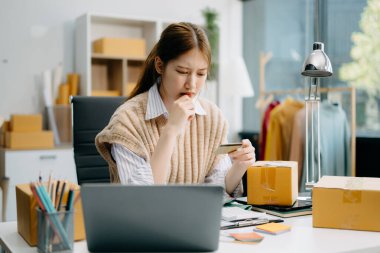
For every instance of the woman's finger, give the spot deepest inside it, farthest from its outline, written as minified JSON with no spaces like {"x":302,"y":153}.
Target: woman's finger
{"x":242,"y":151}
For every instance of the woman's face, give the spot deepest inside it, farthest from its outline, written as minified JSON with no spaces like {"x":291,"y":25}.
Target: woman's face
{"x":184,"y":75}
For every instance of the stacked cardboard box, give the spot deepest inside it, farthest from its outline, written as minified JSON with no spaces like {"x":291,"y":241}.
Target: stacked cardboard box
{"x":25,"y":132}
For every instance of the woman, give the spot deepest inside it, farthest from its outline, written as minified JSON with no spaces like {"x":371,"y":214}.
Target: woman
{"x":165,"y":133}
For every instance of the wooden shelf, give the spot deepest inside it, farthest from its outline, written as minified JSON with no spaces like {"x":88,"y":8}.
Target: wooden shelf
{"x":113,"y":57}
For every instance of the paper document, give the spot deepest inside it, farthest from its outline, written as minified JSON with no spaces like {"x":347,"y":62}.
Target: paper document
{"x":237,"y":213}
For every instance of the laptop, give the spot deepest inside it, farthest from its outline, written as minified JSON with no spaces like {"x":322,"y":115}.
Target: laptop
{"x":156,"y":218}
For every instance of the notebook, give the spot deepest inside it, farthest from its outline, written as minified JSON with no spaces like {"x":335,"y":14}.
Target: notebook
{"x":299,"y":208}
{"x":235,"y":213}
{"x":125,"y":218}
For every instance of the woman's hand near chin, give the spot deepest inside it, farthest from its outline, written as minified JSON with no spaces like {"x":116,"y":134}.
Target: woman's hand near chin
{"x":180,"y":113}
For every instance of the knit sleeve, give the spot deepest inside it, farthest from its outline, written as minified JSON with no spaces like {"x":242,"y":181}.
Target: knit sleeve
{"x":125,"y":128}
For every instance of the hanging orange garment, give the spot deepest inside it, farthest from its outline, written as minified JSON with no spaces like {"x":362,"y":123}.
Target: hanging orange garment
{"x":297,"y":144}
{"x":264,"y":128}
{"x":280,"y":130}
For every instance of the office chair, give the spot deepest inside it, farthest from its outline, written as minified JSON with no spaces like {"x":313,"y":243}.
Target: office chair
{"x":89,"y":116}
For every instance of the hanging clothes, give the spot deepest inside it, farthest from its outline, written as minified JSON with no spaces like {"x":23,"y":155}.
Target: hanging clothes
{"x":264,"y":128}
{"x":280,"y":130}
{"x":335,"y":141}
{"x":297,"y":144}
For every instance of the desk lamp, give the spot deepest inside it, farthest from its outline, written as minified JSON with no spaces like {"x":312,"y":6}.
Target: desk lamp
{"x":317,"y":65}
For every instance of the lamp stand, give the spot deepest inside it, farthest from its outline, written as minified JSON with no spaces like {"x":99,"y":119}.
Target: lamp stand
{"x":312,"y":133}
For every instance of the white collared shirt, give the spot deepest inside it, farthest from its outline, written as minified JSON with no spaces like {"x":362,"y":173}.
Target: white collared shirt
{"x":135,"y":170}
{"x":156,"y":106}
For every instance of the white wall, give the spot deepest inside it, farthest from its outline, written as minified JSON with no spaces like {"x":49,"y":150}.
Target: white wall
{"x":39,"y":34}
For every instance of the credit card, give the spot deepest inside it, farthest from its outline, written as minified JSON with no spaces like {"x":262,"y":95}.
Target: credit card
{"x":227,"y":148}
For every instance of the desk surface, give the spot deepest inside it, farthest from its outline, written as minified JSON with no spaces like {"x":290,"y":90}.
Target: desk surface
{"x":302,"y":238}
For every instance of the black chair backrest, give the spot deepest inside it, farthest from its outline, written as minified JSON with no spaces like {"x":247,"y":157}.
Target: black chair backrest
{"x":90,"y":116}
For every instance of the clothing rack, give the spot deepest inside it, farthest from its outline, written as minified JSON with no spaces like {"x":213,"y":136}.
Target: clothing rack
{"x":264,"y":58}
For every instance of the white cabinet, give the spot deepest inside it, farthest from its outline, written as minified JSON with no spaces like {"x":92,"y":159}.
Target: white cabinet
{"x":25,"y":166}
{"x":120,"y":72}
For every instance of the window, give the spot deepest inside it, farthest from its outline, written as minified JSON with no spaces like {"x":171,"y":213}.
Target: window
{"x":342,"y":20}
{"x":286,"y":29}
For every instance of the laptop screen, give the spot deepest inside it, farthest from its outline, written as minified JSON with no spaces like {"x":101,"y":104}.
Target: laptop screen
{"x":152,"y":218}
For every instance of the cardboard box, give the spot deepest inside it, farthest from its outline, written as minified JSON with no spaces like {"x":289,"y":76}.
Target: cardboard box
{"x":26,"y":123}
{"x":99,"y":76}
{"x":134,"y":71}
{"x":27,"y":214}
{"x":347,"y":203}
{"x":105,"y":93}
{"x":29,"y":140}
{"x":272,"y":183}
{"x":122,"y":47}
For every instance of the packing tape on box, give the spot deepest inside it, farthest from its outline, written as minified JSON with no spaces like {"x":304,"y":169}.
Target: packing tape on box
{"x":268,"y":178}
{"x":268,"y":182}
{"x":352,"y":193}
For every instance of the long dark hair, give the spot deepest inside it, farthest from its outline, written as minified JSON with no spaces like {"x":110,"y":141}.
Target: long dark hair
{"x":175,"y":40}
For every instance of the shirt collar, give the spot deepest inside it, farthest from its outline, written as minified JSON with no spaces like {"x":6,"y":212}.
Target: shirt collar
{"x":156,"y":106}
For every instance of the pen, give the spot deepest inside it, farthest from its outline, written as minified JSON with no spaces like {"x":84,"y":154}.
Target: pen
{"x":276,"y":221}
{"x":56,"y":194}
{"x":250,"y":222}
{"x":70,"y":200}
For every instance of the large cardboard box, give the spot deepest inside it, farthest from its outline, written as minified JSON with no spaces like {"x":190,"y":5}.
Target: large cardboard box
{"x":347,"y":203}
{"x":272,"y":183}
{"x":27,"y":214}
{"x":122,"y":47}
{"x":26,"y":122}
{"x":29,"y":140}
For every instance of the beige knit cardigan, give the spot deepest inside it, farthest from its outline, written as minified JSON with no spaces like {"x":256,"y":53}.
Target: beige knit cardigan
{"x":194,"y":152}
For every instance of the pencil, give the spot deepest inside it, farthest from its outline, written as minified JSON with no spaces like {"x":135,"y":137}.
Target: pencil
{"x":61,"y":195}
{"x":49,"y":186}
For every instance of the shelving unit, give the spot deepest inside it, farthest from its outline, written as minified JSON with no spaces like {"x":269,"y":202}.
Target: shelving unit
{"x":112,"y":75}
{"x":108,"y":74}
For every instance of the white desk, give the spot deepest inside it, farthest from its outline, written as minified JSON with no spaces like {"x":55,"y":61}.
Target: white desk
{"x":302,"y":238}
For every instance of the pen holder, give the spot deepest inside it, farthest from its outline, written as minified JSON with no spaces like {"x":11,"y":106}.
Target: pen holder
{"x":55,"y":231}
